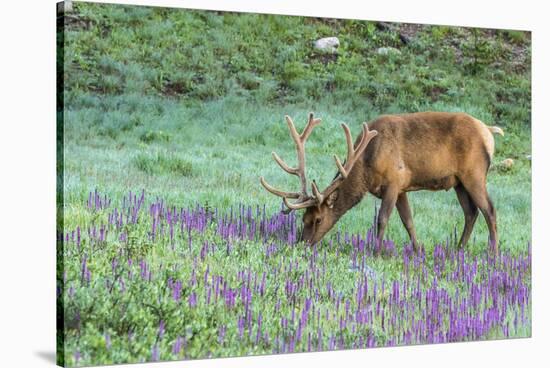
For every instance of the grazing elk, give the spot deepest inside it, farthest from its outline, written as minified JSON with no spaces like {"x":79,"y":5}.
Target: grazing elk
{"x":426,"y":150}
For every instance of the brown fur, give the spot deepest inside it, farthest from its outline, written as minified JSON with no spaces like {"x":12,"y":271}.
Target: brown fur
{"x":418,"y":151}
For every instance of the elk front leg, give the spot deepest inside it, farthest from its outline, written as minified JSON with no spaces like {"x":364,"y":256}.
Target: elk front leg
{"x":404,"y":211}
{"x":388,"y":202}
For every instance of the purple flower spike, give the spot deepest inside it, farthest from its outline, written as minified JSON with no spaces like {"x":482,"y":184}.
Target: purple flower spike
{"x":193,"y":300}
{"x":107,"y":341}
{"x":177,"y":346}
{"x":161,"y":329}
{"x":155,"y":353}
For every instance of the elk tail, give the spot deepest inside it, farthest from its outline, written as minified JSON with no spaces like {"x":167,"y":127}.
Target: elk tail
{"x":495,"y":130}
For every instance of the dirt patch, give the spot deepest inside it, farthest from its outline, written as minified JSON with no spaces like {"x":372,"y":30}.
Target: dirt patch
{"x":324,"y":58}
{"x":521,"y":58}
{"x":174,"y":88}
{"x":408,"y":31}
{"x":75,"y":22}
{"x":435,"y":92}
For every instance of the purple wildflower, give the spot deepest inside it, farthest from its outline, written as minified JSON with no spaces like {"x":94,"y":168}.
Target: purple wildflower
{"x":193,"y":299}
{"x":155,"y":353}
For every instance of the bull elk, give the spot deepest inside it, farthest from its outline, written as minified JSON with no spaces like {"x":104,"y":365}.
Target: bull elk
{"x":396,"y":154}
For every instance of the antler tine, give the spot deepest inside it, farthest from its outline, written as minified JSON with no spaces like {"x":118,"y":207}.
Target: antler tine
{"x":292,"y":128}
{"x":316,"y":193}
{"x":278,"y":192}
{"x":365,"y":139}
{"x":354,"y":153}
{"x":349,"y":142}
{"x":352,"y":156}
{"x":341,"y":168}
{"x":303,"y":198}
{"x":299,"y":149}
{"x":299,"y":141}
{"x":311,"y":123}
{"x":283,"y":165}
{"x":299,"y":205}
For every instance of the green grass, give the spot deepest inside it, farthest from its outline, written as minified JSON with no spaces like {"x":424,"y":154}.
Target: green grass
{"x":159,"y":163}
{"x":188,"y":106}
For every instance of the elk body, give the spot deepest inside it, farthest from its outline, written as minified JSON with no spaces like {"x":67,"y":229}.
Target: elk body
{"x":396,"y":154}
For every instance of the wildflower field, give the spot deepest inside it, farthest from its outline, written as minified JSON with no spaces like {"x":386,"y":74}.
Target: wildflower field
{"x":150,"y":281}
{"x":169,"y":248}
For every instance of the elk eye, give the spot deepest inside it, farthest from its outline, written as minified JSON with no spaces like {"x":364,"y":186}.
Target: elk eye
{"x":318,"y":221}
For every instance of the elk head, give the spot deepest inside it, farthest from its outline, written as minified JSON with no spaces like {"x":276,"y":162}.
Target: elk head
{"x":321,"y":209}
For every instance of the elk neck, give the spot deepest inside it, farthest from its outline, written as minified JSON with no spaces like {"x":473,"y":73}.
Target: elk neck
{"x":351,"y":191}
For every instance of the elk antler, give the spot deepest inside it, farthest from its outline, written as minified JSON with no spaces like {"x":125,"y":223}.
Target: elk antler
{"x":343,"y":170}
{"x":304,"y":199}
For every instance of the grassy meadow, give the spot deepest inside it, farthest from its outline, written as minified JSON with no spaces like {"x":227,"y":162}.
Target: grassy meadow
{"x":187,"y":106}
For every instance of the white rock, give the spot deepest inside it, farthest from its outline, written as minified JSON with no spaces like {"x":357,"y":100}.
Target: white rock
{"x":507,"y":163}
{"x":327,"y":44}
{"x":387,"y":51}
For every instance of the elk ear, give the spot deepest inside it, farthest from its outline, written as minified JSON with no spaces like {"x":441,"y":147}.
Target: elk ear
{"x":332,"y":198}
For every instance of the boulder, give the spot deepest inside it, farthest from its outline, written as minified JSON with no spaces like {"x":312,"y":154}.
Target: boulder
{"x":505,"y":165}
{"x":327,"y":44}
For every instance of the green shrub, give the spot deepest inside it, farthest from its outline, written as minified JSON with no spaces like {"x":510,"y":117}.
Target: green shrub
{"x":160,"y":163}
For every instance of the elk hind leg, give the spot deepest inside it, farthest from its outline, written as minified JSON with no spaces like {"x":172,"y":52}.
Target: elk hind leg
{"x":478,"y":193}
{"x":470,"y":213}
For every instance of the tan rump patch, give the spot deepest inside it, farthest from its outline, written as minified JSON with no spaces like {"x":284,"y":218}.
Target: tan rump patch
{"x":488,"y":139}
